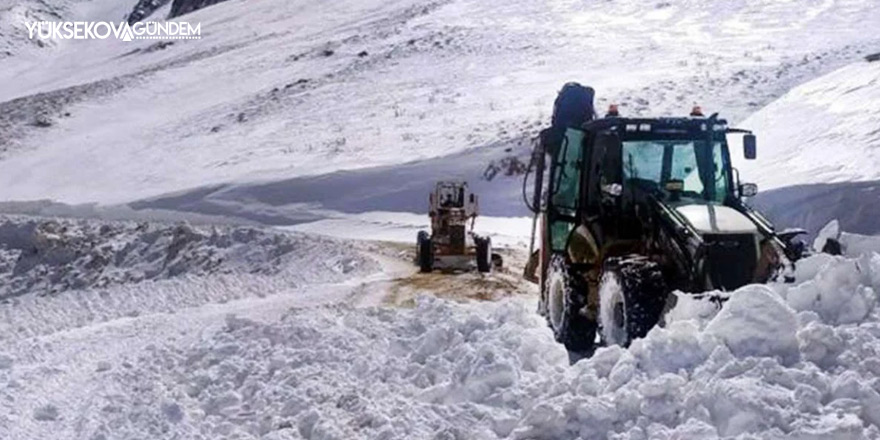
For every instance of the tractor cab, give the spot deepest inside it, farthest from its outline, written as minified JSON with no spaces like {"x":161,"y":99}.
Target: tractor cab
{"x":604,"y":170}
{"x":453,"y":195}
{"x":452,"y":207}
{"x":634,"y":183}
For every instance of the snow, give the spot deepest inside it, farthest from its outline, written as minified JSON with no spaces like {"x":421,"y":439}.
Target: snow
{"x":117,"y":323}
{"x":610,"y":292}
{"x":841,"y":293}
{"x":756,"y":322}
{"x":829,"y":232}
{"x":764,"y":366}
{"x":59,"y":274}
{"x":857,"y":244}
{"x":824,"y":135}
{"x":403,"y":227}
{"x":823,"y":131}
{"x":438,"y":79}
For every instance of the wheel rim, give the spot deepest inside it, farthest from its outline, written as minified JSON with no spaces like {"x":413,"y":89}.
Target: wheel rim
{"x":556,"y":302}
{"x":612,"y":311}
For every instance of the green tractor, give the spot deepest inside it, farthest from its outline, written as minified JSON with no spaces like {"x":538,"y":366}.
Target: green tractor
{"x":636,"y":208}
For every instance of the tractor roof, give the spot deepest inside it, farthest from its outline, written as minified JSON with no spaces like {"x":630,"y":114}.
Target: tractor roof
{"x":666,"y":122}
{"x":660,"y":126}
{"x":451,"y":183}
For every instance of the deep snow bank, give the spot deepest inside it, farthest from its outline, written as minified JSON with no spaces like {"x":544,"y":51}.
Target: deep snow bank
{"x":819,"y":146}
{"x":824,"y":131}
{"x":57,"y":273}
{"x":813,"y":206}
{"x":43,"y":256}
{"x":795,"y":361}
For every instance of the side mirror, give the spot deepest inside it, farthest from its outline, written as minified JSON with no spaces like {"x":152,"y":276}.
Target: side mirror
{"x":748,"y":190}
{"x":750,"y":146}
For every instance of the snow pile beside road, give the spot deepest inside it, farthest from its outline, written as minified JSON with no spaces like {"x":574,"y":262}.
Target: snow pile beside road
{"x":856,"y":244}
{"x":57,"y":274}
{"x":823,"y":293}
{"x":780,"y":361}
{"x":756,"y":322}
{"x":769,"y":365}
{"x":50,"y":256}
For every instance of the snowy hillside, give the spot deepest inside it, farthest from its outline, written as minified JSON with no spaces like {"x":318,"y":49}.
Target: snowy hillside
{"x":825,"y":131}
{"x":819,"y":146}
{"x":293,"y":120}
{"x":277,"y":89}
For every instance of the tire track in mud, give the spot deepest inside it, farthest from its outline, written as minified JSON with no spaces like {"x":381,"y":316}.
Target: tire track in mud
{"x":405,"y":284}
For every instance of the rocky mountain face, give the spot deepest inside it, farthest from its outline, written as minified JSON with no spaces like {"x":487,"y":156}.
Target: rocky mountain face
{"x":145,"y":8}
{"x":180,"y":7}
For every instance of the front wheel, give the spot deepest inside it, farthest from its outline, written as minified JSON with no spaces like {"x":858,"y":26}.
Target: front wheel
{"x":425,"y":252}
{"x":484,"y":254}
{"x":563,"y":299}
{"x":632,"y":295}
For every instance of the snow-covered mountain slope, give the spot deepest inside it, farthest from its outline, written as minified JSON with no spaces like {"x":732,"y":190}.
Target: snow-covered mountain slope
{"x":797,"y":361}
{"x":819,"y":152}
{"x":292,"y":110}
{"x":824,"y":131}
{"x":15,"y":44}
{"x":277,"y":89}
{"x":493,"y":171}
{"x":14,"y":39}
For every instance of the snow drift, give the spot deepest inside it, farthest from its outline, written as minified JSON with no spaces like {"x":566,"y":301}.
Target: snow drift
{"x":44,"y":256}
{"x":797,"y":361}
{"x":824,"y":131}
{"x":820,"y":147}
{"x":57,"y":274}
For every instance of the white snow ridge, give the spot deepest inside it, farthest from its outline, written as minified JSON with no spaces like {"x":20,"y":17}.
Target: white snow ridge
{"x":769,"y":365}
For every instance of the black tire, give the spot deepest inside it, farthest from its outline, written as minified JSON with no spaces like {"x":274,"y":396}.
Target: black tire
{"x":497,"y":261}
{"x":632,"y":296}
{"x":563,"y":299}
{"x":425,"y":251}
{"x":484,"y":254}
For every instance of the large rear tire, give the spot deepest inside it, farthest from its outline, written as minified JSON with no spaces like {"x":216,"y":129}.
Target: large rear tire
{"x":632,"y":295}
{"x":484,"y":254}
{"x":563,"y":299}
{"x":425,"y":250}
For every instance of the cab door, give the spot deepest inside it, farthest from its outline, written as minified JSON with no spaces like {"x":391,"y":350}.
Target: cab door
{"x":565,"y":187}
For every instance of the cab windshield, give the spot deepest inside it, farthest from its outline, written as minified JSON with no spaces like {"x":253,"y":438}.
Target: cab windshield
{"x":688,"y":168}
{"x":451,"y":195}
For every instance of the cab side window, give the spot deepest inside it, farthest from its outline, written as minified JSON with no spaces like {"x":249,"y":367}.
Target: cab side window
{"x":565,"y":186}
